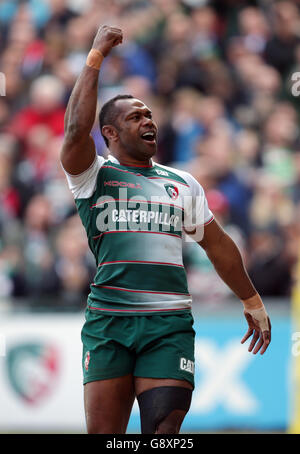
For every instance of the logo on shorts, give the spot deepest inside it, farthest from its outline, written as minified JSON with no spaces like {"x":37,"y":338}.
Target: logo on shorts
{"x":187,"y":365}
{"x":172,"y":191}
{"x":87,"y":360}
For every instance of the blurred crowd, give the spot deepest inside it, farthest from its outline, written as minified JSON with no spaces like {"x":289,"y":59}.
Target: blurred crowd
{"x":221,"y":80}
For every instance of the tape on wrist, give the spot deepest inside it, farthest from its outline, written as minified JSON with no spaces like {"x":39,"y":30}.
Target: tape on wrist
{"x":261,"y":317}
{"x":255,"y":307}
{"x":254,"y":302}
{"x":94,"y":59}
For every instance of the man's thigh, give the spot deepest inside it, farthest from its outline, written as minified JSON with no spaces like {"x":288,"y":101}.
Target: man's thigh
{"x":163,"y":404}
{"x":108,"y":405}
{"x":107,"y":364}
{"x":164,"y":372}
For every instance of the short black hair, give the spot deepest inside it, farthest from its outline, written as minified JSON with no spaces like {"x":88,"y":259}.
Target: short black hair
{"x":108,"y":113}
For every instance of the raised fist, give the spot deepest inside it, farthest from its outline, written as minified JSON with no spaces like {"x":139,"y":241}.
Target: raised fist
{"x":107,"y":37}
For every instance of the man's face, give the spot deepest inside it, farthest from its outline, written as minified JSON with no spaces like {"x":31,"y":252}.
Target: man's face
{"x":136,"y":130}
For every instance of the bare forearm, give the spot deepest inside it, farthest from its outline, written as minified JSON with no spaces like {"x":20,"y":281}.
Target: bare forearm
{"x":78,"y":151}
{"x":227,"y":260}
{"x":81,"y":109}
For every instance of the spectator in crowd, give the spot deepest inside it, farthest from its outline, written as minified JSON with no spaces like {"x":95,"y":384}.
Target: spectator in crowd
{"x":42,"y":119}
{"x":268,"y":264}
{"x":280,"y":48}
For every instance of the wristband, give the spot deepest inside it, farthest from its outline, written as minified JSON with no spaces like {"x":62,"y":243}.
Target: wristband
{"x":254,"y":302}
{"x":94,"y":59}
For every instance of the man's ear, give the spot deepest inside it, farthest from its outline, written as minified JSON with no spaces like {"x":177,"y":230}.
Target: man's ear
{"x":110,"y":132}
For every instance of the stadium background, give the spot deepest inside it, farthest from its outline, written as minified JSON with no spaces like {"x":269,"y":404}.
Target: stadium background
{"x":221,"y":79}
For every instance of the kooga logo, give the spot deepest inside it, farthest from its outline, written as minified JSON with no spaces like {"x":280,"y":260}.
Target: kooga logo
{"x":122,"y":184}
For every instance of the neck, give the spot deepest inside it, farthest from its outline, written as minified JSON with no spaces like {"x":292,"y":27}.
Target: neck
{"x":129,"y":161}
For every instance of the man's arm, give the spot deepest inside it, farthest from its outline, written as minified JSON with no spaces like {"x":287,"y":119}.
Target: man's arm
{"x":227,"y":260}
{"x":78,"y":151}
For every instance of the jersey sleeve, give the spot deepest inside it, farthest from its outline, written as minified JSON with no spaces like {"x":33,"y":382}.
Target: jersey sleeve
{"x":196,"y":210}
{"x":83,"y":185}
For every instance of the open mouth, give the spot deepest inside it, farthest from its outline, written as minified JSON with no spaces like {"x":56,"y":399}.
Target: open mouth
{"x":149,"y":137}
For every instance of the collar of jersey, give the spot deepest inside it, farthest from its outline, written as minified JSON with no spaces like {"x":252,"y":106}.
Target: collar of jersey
{"x":115,"y":161}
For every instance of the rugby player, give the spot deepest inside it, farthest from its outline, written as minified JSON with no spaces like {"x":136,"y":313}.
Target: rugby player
{"x":138,"y":336}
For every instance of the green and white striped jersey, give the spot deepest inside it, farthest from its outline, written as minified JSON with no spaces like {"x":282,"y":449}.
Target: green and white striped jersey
{"x":135,"y":219}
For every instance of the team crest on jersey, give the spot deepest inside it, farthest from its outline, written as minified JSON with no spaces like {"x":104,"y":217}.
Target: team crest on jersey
{"x":87,"y":360}
{"x":172,"y":191}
